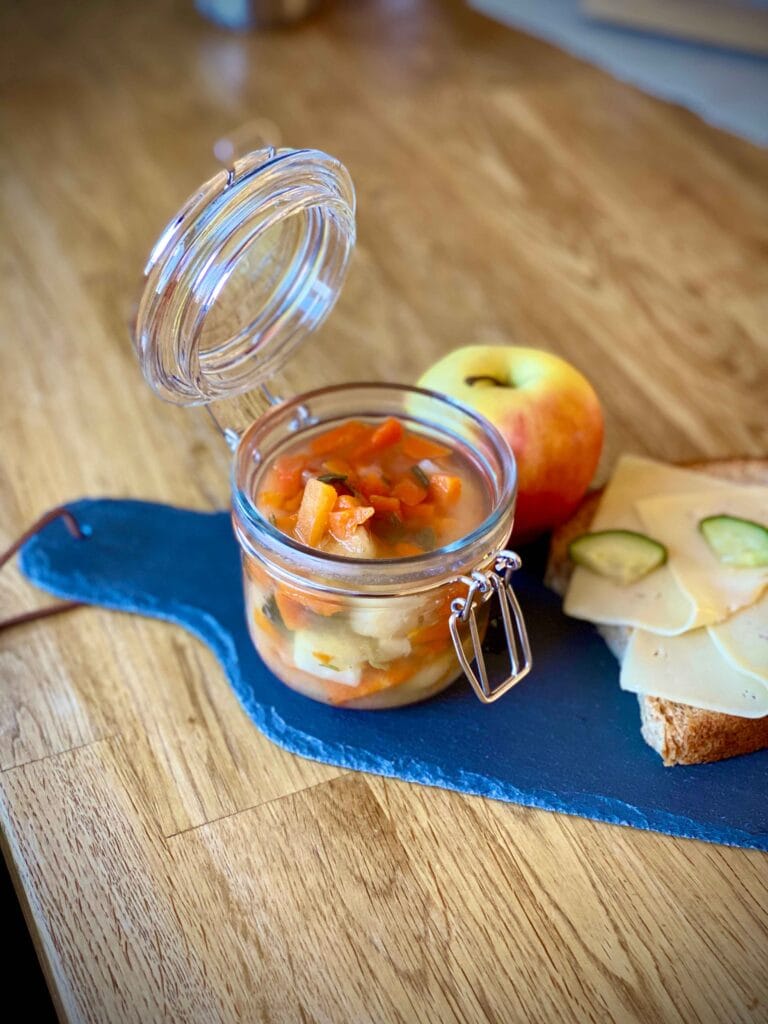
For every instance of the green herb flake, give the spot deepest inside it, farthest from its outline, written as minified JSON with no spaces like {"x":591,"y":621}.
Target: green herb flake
{"x":273,"y":518}
{"x":390,"y":529}
{"x":420,"y":475}
{"x":272,"y":612}
{"x":332,"y":478}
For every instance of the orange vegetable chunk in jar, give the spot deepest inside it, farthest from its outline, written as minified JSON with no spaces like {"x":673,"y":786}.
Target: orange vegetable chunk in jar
{"x":366,"y":491}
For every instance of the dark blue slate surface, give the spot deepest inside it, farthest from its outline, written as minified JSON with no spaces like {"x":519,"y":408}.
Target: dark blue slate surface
{"x":567,"y":739}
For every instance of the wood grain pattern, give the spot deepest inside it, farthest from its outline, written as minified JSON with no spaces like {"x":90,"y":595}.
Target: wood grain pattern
{"x":174,"y":865}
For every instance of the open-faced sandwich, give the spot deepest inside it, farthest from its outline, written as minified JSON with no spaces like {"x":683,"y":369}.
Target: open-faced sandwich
{"x":671,"y":565}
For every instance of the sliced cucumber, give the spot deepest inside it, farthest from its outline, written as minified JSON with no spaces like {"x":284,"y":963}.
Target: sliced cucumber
{"x":737,"y":542}
{"x":621,"y":555}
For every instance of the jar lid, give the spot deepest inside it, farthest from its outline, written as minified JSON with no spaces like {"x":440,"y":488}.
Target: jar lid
{"x":253,"y":262}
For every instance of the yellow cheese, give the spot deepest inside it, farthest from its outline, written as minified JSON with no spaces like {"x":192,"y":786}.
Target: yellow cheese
{"x":716,"y":589}
{"x":743,"y":639}
{"x":690,"y":669}
{"x":656,"y":602}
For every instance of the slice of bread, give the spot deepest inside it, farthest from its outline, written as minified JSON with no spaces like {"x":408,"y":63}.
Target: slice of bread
{"x":682,"y":734}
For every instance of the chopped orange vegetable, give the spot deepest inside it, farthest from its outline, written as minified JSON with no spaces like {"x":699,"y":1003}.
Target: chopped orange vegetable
{"x":343,"y":524}
{"x":382,"y":503}
{"x":417,"y":448}
{"x":409,"y":492}
{"x":444,"y":489}
{"x":286,"y":521}
{"x":371,"y":481}
{"x":332,"y":441}
{"x":316,"y":506}
{"x":320,"y":604}
{"x":419,"y":515}
{"x":322,"y":657}
{"x":266,"y":626}
{"x":293,"y":613}
{"x":274,"y":499}
{"x":293,"y":504}
{"x":390,"y":432}
{"x":383,"y":467}
{"x":373,"y":680}
{"x":284,"y":477}
{"x":339,"y":467}
{"x":384,"y":436}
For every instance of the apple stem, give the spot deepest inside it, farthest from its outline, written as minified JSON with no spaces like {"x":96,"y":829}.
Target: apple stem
{"x":470,"y":381}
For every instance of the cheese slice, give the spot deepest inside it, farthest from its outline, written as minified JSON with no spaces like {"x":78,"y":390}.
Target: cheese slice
{"x":743,"y":639}
{"x":717,"y":590}
{"x":656,"y":602}
{"x":690,"y":669}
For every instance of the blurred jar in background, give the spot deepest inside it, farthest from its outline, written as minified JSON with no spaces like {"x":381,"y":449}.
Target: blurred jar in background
{"x":244,"y":14}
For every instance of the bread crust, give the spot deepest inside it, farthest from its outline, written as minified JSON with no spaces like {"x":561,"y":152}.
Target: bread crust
{"x":680,"y":733}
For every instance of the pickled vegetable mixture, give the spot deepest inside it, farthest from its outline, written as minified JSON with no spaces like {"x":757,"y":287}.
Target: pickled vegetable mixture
{"x":372,"y":491}
{"x":363,"y":490}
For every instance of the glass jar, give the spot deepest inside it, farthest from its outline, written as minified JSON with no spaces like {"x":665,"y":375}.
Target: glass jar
{"x":253,"y":262}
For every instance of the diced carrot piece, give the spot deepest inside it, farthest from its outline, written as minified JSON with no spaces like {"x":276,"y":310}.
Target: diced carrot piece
{"x":417,"y":448}
{"x":396,"y":672}
{"x":273,"y":499}
{"x":371,"y":481}
{"x":444,"y":489}
{"x":384,"y":436}
{"x":419,"y":515}
{"x":384,"y":504}
{"x":343,"y":524}
{"x":289,"y":469}
{"x":389,"y":433}
{"x":325,"y":606}
{"x":339,"y":467}
{"x":409,"y":492}
{"x":332,"y":441}
{"x":404,"y":548}
{"x":321,"y":604}
{"x":322,"y":657}
{"x":284,"y":477}
{"x":293,"y":504}
{"x":286,"y":522}
{"x":373,"y":680}
{"x":293,"y":613}
{"x":316,"y":506}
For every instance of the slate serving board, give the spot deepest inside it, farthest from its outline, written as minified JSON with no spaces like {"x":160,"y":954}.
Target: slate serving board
{"x":566,"y":739}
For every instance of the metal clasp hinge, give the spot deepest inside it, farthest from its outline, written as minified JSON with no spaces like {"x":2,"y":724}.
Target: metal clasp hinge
{"x":481,"y":586}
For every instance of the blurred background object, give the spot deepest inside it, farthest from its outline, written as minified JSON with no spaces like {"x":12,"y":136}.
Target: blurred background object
{"x":740,"y":24}
{"x":245,"y":14}
{"x":672,"y":57}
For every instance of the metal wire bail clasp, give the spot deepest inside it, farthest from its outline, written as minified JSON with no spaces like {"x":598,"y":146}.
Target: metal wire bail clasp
{"x":481,"y":586}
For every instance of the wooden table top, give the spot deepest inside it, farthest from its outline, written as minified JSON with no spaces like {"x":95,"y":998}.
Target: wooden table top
{"x":175,"y":865}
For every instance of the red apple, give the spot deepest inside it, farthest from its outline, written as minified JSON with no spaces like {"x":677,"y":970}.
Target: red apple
{"x":547,"y":411}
